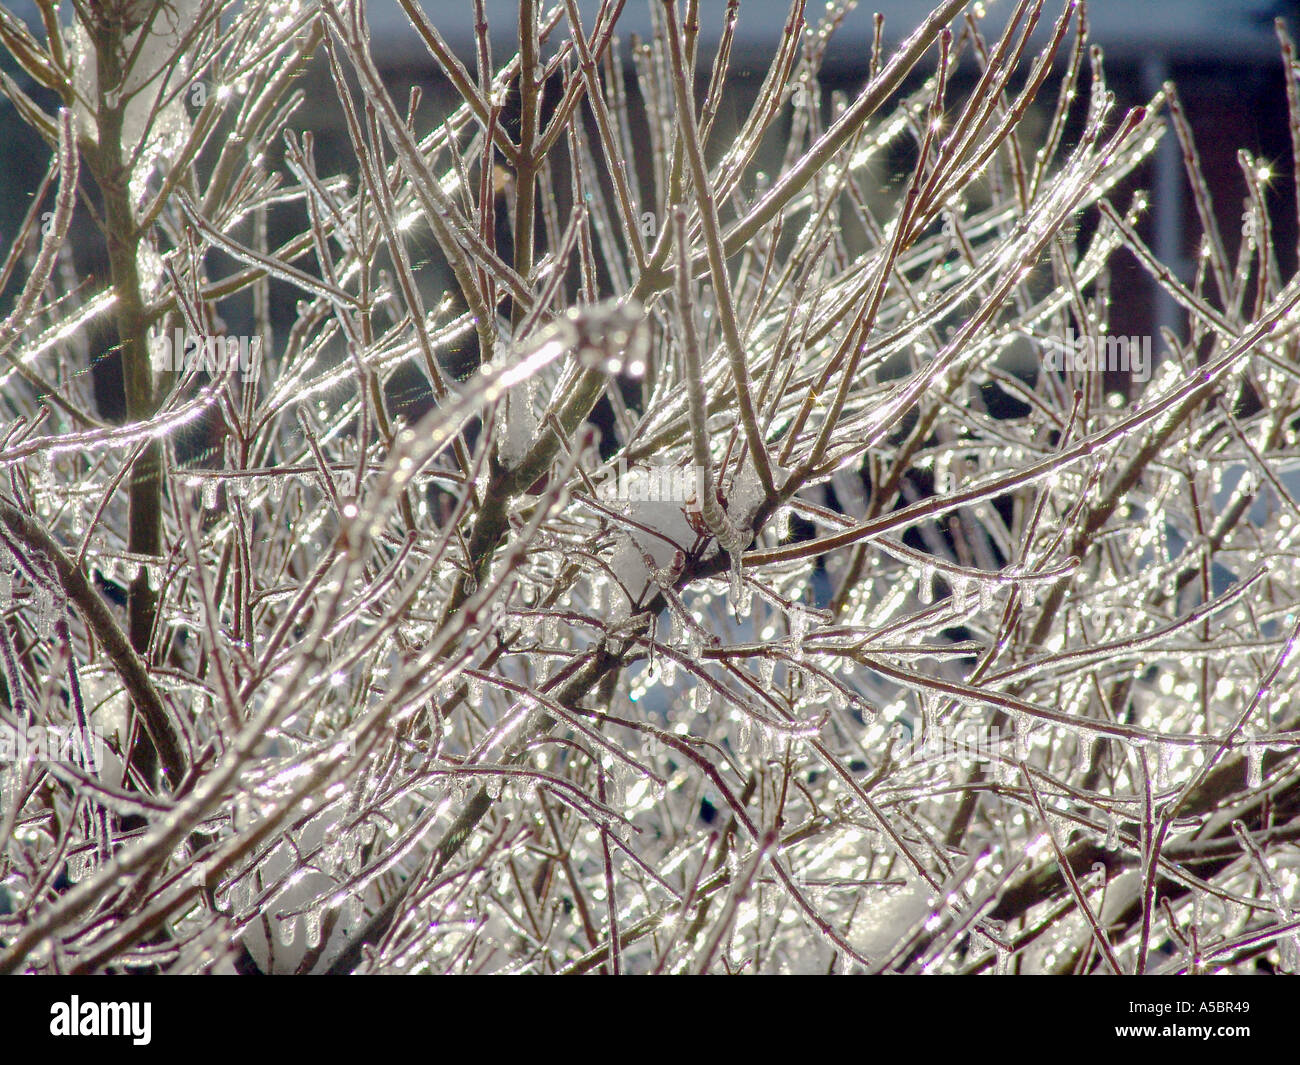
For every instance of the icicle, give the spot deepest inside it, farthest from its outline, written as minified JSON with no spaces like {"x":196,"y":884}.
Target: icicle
{"x":798,"y":629}
{"x":474,"y":691}
{"x":1254,"y":764}
{"x":703,"y":697}
{"x":766,"y":667}
{"x":618,"y":775}
{"x":44,"y":613}
{"x":1164,"y":758}
{"x":782,"y":524}
{"x":1082,"y":754}
{"x":669,"y":666}
{"x":958,"y":593}
{"x":515,"y":428}
{"x":925,"y":586}
{"x":311,"y":928}
{"x":78,"y":865}
{"x":210,"y":493}
{"x":741,"y":595}
{"x":351,"y":911}
{"x":986,"y":596}
{"x":943,"y":475}
{"x":1112,"y":831}
{"x":288,"y":930}
{"x":694,"y":641}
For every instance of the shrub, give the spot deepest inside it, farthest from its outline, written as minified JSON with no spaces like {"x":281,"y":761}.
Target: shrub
{"x":725,"y":573}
